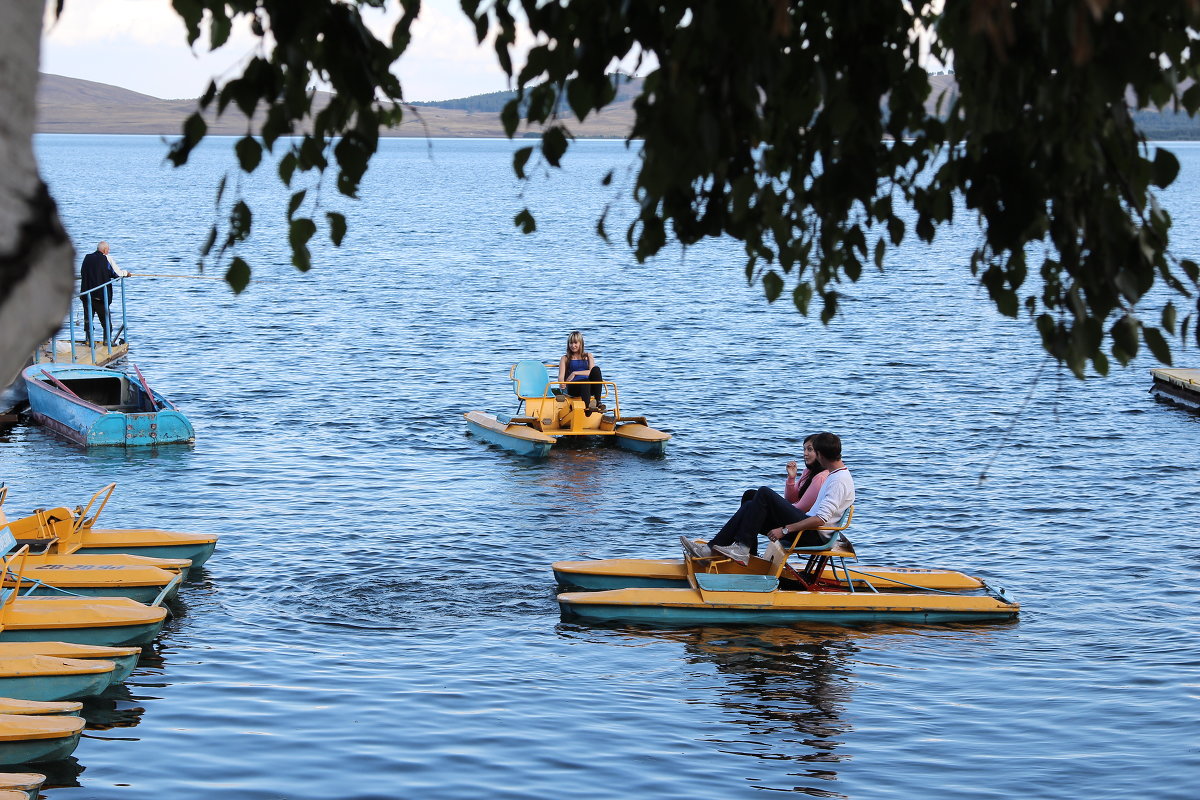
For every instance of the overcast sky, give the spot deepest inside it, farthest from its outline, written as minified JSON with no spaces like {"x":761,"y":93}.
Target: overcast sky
{"x":141,"y":45}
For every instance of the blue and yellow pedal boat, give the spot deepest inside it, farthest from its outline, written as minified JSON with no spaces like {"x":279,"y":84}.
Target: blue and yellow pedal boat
{"x":718,"y":591}
{"x":108,"y":621}
{"x":547,"y":414}
{"x":33,"y":739}
{"x":63,"y":532}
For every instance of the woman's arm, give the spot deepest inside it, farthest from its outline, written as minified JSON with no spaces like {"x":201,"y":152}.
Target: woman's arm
{"x":562,"y":369}
{"x":810,"y":495}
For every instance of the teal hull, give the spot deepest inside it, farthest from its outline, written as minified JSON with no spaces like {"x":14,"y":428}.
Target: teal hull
{"x":36,"y":751}
{"x":600,"y":583}
{"x":198,"y":553}
{"x":55,"y":687}
{"x":522,"y":447}
{"x":114,"y":636}
{"x":124,"y":668}
{"x":640,"y":447}
{"x":143,"y":594}
{"x":675,"y":616}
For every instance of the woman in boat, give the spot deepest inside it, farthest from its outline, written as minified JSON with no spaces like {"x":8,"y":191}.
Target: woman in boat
{"x":769,"y":514}
{"x":577,"y":364}
{"x":799,"y":490}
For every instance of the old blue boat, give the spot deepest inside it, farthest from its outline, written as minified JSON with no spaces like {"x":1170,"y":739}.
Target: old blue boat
{"x":99,"y":406}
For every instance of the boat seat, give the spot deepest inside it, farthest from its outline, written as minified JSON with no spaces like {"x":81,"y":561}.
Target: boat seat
{"x":530,"y":379}
{"x":830,"y":548}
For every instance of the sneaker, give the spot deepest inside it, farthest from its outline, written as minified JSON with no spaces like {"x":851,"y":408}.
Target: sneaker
{"x":736,"y":551}
{"x":695,"y":549}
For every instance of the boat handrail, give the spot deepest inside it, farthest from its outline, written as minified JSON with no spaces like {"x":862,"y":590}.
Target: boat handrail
{"x":81,"y":517}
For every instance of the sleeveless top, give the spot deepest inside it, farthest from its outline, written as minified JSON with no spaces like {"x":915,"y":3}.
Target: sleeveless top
{"x":577,"y":365}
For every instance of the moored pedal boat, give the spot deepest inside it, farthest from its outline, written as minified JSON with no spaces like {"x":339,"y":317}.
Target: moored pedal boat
{"x":61,"y":531}
{"x":125,"y":658}
{"x":547,"y":414}
{"x":33,"y":739}
{"x":20,"y":785}
{"x":94,"y":405}
{"x":109,"y":621}
{"x":48,"y":678}
{"x":39,"y":708}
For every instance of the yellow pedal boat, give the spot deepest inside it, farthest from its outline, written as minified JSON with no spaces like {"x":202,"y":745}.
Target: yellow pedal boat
{"x":81,"y":537}
{"x":25,"y":739}
{"x":20,"y":785}
{"x":546,"y":414}
{"x":39,"y":708}
{"x":125,"y":658}
{"x":717,"y":590}
{"x":109,"y":621}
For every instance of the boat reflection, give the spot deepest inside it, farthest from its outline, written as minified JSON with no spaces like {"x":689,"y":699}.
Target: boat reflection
{"x":785,"y":692}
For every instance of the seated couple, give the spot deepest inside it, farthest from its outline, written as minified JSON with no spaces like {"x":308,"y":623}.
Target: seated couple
{"x":816,"y":498}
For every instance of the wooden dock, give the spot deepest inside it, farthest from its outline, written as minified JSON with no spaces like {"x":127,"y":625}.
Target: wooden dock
{"x":1180,"y":386}
{"x":80,"y":352}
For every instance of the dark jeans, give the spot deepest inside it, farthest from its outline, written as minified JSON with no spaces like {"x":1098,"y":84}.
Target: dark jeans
{"x":762,"y":510}
{"x":587,"y":391}
{"x":100,"y":309}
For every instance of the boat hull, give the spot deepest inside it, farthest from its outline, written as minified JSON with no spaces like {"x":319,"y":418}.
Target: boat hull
{"x":147,"y":542}
{"x":666,"y":573}
{"x":515,"y":438}
{"x":124,"y":659}
{"x":684,"y":607}
{"x":34,"y":740}
{"x":29,"y":682}
{"x":89,"y":424}
{"x":108,"y":622}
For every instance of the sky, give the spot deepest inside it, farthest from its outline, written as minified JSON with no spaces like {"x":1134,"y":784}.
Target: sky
{"x":142,"y":45}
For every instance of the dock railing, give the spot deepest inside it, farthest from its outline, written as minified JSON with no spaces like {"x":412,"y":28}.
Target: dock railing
{"x":113,"y":339}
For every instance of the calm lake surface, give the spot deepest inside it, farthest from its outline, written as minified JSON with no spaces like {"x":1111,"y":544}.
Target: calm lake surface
{"x":379,"y":620}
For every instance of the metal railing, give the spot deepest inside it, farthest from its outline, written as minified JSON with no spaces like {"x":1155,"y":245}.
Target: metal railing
{"x":110,"y":337}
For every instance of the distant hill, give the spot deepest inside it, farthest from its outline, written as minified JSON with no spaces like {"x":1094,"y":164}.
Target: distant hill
{"x":72,"y":105}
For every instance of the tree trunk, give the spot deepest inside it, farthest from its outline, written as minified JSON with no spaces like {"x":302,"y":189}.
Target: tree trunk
{"x":36,"y":257}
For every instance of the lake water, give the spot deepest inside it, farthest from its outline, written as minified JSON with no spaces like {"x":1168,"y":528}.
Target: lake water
{"x":379,"y":620}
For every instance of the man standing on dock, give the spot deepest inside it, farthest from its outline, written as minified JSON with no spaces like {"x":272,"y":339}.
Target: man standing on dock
{"x":97,"y":270}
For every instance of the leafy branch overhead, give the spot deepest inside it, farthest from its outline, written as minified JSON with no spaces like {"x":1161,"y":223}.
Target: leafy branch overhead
{"x":803,"y":130}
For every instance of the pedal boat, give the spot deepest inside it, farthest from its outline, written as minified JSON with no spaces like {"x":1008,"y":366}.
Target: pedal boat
{"x":31,"y":739}
{"x":20,"y":785}
{"x":546,"y":414}
{"x":170,"y":550}
{"x":38,"y":708}
{"x":124,"y":659}
{"x":46,"y":678}
{"x":109,"y":621}
{"x":49,"y":574}
{"x":721,"y":591}
{"x":93,"y":405}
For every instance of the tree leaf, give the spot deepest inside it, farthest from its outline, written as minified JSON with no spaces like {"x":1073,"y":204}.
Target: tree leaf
{"x":525,"y":221}
{"x":772,"y":285}
{"x":520,"y":158}
{"x":249,"y":153}
{"x":337,"y":227}
{"x":1157,"y":344}
{"x":238,"y":275}
{"x":299,"y":232}
{"x":1166,"y":167}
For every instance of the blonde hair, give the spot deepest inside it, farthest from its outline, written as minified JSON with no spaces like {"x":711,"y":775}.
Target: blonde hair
{"x":576,"y":336}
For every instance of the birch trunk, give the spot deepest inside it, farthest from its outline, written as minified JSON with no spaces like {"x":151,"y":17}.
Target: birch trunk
{"x":36,"y":257}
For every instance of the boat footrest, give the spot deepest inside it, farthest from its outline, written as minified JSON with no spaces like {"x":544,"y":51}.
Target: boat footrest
{"x":716,"y":582}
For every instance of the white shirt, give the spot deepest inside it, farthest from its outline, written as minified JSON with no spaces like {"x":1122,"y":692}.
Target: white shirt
{"x":836,"y":495}
{"x":112,"y":262}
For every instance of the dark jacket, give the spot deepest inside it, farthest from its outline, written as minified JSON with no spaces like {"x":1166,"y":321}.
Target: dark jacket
{"x":96,"y":271}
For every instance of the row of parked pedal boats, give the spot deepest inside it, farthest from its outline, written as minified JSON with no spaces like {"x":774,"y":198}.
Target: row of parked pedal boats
{"x":77,"y":606}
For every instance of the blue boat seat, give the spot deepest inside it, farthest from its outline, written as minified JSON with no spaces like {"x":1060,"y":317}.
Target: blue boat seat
{"x":531,"y":379}
{"x":828,"y":549}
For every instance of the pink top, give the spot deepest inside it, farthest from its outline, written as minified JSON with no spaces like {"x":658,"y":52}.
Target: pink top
{"x":791,"y":491}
